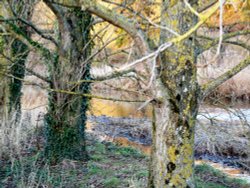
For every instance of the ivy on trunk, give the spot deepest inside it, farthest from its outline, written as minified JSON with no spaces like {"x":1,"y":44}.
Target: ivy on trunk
{"x":16,"y":52}
{"x":66,"y":117}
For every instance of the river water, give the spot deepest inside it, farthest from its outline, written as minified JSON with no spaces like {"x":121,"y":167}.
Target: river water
{"x":120,"y":112}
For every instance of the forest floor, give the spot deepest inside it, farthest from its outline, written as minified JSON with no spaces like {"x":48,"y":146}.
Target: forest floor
{"x":109,"y":166}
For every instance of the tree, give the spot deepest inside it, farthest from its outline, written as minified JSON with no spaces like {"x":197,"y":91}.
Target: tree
{"x":176,"y":93}
{"x":67,"y":64}
{"x":66,"y":117}
{"x":13,"y":55}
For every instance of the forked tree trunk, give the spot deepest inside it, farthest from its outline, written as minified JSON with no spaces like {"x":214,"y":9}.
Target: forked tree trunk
{"x":172,"y":157}
{"x":66,"y":117}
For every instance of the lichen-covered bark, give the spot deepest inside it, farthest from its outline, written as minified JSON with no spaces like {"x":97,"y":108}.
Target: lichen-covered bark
{"x":66,"y":117}
{"x":175,"y":114}
{"x":172,"y":154}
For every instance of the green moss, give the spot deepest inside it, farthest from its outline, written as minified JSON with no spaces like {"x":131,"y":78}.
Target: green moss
{"x":100,"y":148}
{"x":93,"y":169}
{"x":96,"y":157}
{"x":142,"y":174}
{"x":111,"y":183}
{"x":201,"y":184}
{"x":130,"y":152}
{"x":19,"y":53}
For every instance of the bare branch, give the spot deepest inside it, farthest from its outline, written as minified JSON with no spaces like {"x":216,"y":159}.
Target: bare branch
{"x":112,"y":17}
{"x":210,"y":86}
{"x":128,"y":68}
{"x":192,"y":9}
{"x":214,"y":41}
{"x":162,"y":27}
{"x":128,"y":25}
{"x":72,"y":92}
{"x":20,"y":35}
{"x":112,"y":75}
{"x":204,"y":17}
{"x":221,"y":28}
{"x":38,"y":31}
{"x":27,"y":69}
{"x":238,"y":43}
{"x":162,"y":48}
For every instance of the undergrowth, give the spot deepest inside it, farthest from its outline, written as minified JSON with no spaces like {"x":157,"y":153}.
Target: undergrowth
{"x":209,"y":177}
{"x":109,"y":166}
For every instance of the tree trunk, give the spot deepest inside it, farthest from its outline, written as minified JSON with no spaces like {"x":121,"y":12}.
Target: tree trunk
{"x":66,"y":117}
{"x":4,"y":91}
{"x":14,"y":65}
{"x":172,"y":157}
{"x":19,"y":53}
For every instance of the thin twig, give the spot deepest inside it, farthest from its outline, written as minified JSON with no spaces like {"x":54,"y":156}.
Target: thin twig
{"x":192,"y":9}
{"x":221,"y":27}
{"x":74,"y":93}
{"x":162,"y":48}
{"x":162,"y":27}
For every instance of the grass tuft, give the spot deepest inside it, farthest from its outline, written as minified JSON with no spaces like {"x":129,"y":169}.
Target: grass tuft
{"x":109,"y":166}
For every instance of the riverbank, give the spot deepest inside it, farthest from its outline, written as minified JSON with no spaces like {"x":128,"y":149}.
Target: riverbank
{"x":224,"y":138}
{"x":109,"y":166}
{"x":224,"y":146}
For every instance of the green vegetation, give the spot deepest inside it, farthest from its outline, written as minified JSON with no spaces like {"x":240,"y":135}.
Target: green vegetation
{"x":208,"y":177}
{"x":20,"y":53}
{"x":109,"y":166}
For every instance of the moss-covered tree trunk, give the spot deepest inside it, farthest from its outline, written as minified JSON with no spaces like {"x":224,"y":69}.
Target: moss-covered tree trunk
{"x":172,"y":157}
{"x":11,"y":86}
{"x":66,"y":117}
{"x":4,"y":90}
{"x":13,"y":54}
{"x":19,"y":52}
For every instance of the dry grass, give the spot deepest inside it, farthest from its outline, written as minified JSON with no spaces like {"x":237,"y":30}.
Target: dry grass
{"x":214,"y":137}
{"x":210,"y":68}
{"x":226,"y":139}
{"x":109,"y":167}
{"x":12,"y":137}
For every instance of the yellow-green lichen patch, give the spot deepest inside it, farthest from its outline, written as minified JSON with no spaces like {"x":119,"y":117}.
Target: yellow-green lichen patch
{"x":172,"y":153}
{"x":177,"y":181}
{"x":188,"y":152}
{"x":187,"y":171}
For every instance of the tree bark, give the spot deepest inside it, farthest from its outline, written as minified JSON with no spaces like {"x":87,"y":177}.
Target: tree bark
{"x":16,"y":52}
{"x":4,"y":91}
{"x":172,"y":152}
{"x":66,"y":117}
{"x":175,"y":113}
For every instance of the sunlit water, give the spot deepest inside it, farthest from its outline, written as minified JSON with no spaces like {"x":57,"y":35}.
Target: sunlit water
{"x":122,"y":109}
